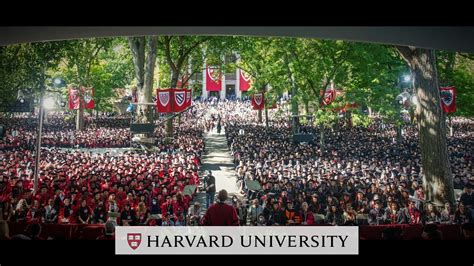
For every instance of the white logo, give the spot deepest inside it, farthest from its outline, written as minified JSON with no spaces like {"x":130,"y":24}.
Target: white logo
{"x":245,"y":76}
{"x":258,"y":98}
{"x":447,"y":97}
{"x":87,"y":98}
{"x":164,"y":98}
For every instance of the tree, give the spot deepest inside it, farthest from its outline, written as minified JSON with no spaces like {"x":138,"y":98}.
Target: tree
{"x":181,"y":53}
{"x":26,"y":66}
{"x":144,"y":50}
{"x":259,"y":58}
{"x":79,"y":63}
{"x":437,"y":178}
{"x":455,"y":69}
{"x":313,"y":65}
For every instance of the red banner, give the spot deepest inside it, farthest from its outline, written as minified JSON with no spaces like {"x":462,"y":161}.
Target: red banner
{"x":258,"y":101}
{"x":245,"y":81}
{"x":87,"y":98}
{"x":329,"y":96}
{"x":88,"y":94}
{"x":173,"y":100}
{"x":163,"y":100}
{"x":448,"y":99}
{"x":213,"y":79}
{"x":74,"y":99}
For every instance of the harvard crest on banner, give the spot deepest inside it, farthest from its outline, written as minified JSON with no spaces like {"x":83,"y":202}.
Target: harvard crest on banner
{"x":245,"y":81}
{"x":258,"y":101}
{"x":448,"y":99}
{"x":173,"y":100}
{"x":213,"y":79}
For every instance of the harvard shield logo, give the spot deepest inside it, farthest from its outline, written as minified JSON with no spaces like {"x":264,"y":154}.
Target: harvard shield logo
{"x":179,"y":98}
{"x":87,"y":98}
{"x":447,"y":97}
{"x":258,"y":98}
{"x":245,"y":76}
{"x":213,"y":73}
{"x":164,"y":98}
{"x":134,"y":240}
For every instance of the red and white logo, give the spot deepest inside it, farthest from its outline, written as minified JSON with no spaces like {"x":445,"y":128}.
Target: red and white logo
{"x":188,"y":95}
{"x":164,"y":97}
{"x":245,"y":76}
{"x":258,"y":98}
{"x":134,"y":240}
{"x":213,"y":73}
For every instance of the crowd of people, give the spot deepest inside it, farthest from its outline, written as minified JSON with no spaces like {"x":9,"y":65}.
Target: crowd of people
{"x":59,"y":131}
{"x":359,"y":175}
{"x":124,"y":187}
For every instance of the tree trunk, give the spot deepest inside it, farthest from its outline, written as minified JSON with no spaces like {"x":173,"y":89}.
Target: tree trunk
{"x":437,"y":178}
{"x":80,"y":113}
{"x":144,"y":73}
{"x":148,"y":79}
{"x":294,"y":112}
{"x":169,"y":122}
{"x":451,"y":129}
{"x":266,"y":116}
{"x":260,"y":118}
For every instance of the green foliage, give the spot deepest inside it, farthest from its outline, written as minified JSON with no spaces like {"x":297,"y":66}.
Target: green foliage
{"x":26,"y":65}
{"x":367,"y":74}
{"x":360,"y":119}
{"x":457,"y":70}
{"x":325,"y":119}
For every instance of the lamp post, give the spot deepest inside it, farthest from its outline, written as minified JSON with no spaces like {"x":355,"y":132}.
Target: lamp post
{"x":38,"y":139}
{"x":47,"y":103}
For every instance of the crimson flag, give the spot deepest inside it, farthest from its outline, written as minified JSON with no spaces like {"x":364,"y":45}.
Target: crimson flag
{"x":213,"y":79}
{"x":329,"y":96}
{"x":163,"y":101}
{"x":88,"y":97}
{"x":258,"y":101}
{"x":74,"y":99}
{"x":245,"y":81}
{"x":448,"y":99}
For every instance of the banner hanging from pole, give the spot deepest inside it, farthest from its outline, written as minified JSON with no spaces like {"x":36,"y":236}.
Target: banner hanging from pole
{"x":448,"y":99}
{"x":245,"y":81}
{"x":258,"y":101}
{"x":74,"y":99}
{"x":213,"y":79}
{"x":173,"y":100}
{"x":88,"y":96}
